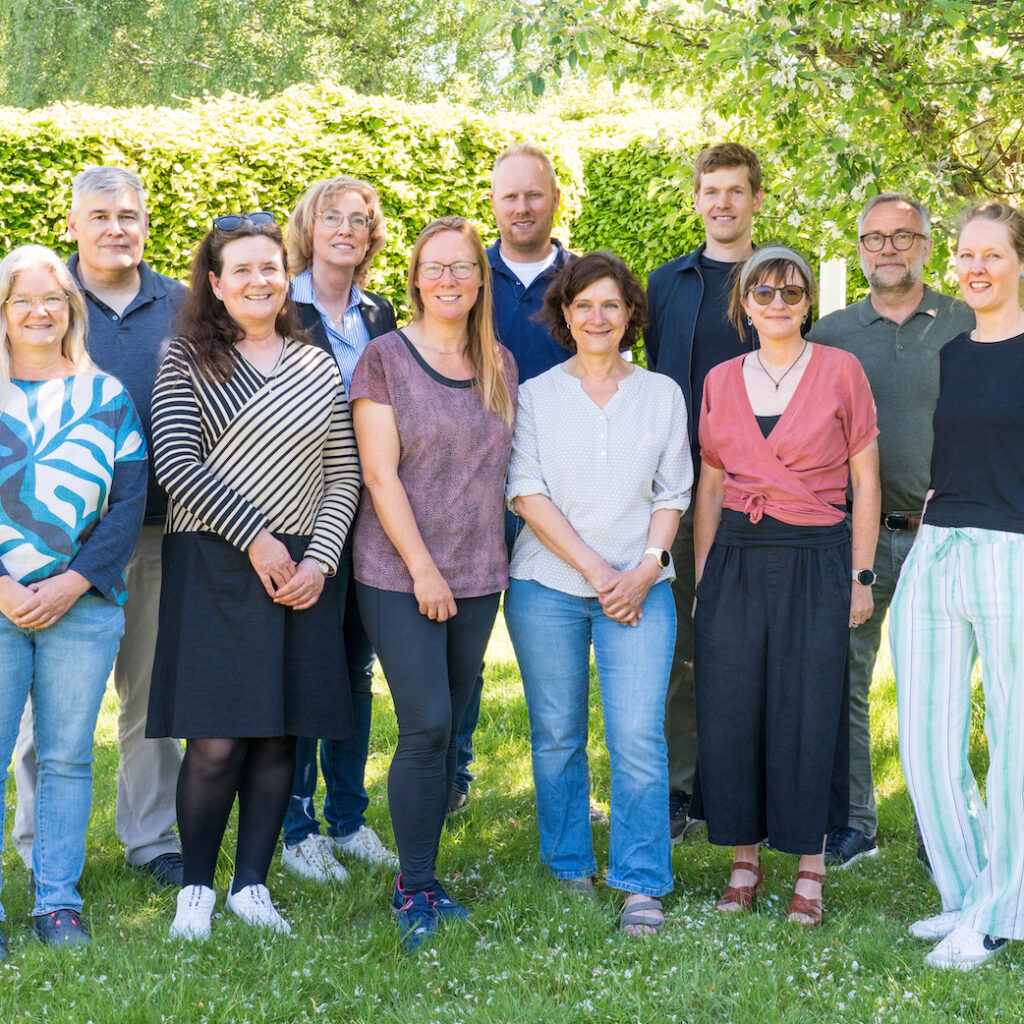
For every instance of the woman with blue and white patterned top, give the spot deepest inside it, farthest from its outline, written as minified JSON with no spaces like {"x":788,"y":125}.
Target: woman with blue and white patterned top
{"x":72,"y":496}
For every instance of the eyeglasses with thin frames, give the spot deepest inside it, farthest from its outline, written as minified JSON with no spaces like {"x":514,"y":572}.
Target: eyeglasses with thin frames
{"x":335,"y":218}
{"x":24,"y":304}
{"x":462,"y":270}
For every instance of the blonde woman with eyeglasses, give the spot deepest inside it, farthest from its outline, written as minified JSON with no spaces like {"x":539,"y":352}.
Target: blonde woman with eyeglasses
{"x":72,"y":495}
{"x":434,"y":406}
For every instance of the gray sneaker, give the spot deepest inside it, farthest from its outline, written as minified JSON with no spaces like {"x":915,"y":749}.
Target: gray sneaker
{"x":366,"y":845}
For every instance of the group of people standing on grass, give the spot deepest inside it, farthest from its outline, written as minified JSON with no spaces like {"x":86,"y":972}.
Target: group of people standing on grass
{"x":326,"y":489}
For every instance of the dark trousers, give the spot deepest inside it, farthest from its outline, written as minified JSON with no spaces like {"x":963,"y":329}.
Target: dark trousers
{"x":430,"y":668}
{"x":771,"y":643}
{"x":342,"y":762}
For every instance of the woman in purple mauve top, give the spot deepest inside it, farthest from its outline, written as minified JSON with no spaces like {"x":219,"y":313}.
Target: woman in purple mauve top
{"x":434,"y":406}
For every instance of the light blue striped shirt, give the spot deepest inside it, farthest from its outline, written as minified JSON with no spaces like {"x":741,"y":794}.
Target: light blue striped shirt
{"x":348,"y":343}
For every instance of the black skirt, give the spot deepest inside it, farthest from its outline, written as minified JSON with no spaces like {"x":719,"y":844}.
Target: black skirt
{"x":231,"y":663}
{"x":771,"y":675}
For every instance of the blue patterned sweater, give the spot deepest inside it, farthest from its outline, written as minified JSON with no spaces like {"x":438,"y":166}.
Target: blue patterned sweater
{"x":72,"y":480}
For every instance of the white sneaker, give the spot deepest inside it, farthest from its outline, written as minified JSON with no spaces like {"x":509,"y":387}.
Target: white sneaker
{"x":313,"y":858}
{"x":964,"y":949}
{"x":937,"y":927}
{"x":254,"y":906}
{"x":195,"y":908}
{"x":366,"y":845}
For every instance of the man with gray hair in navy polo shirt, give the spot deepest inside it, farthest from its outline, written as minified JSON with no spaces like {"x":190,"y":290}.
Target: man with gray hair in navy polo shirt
{"x":131,"y":308}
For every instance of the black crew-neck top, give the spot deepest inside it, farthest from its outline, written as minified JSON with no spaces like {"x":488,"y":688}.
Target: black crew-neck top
{"x":978,"y":453}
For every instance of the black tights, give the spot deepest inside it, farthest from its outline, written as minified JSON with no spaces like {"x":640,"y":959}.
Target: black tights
{"x":260,"y":771}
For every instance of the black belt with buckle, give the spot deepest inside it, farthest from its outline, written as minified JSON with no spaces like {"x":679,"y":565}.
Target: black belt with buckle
{"x":901,"y":521}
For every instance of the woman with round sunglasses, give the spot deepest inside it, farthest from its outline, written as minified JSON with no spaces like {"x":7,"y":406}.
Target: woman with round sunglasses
{"x":959,"y":601}
{"x":253,"y":443}
{"x":333,"y":234}
{"x":434,"y":405}
{"x":72,"y":495}
{"x":780,"y":582}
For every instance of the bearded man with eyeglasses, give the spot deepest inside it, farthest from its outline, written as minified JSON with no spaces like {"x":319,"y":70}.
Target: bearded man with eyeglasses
{"x":896,"y":331}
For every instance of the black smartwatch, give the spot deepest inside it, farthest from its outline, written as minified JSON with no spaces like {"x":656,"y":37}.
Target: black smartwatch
{"x":865,"y":577}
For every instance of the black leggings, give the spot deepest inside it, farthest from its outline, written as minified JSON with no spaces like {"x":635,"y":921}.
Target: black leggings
{"x":430,"y":669}
{"x":260,"y":771}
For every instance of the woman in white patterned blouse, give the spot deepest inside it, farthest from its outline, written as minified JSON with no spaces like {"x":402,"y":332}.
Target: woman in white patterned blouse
{"x":601,"y":472}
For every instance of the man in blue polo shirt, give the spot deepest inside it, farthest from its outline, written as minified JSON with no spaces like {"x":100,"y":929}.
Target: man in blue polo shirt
{"x":130,"y":308}
{"x":524,"y":198}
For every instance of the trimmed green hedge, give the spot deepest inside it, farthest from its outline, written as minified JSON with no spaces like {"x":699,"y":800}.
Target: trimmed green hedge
{"x":626,"y":178}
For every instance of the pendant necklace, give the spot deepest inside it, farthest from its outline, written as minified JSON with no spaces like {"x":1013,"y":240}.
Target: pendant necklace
{"x":790,"y":367}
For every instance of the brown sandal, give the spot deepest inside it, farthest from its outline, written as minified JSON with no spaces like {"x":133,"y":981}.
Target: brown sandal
{"x":804,"y":905}
{"x":738,"y":898}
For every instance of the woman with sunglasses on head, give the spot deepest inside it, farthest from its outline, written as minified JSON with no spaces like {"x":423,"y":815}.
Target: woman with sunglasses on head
{"x":780,"y":582}
{"x":72,"y":493}
{"x":959,"y":600}
{"x":334,"y":232}
{"x":253,"y":443}
{"x":434,"y":406}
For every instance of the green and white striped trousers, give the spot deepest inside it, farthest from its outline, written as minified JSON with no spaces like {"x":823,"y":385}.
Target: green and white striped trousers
{"x":960,"y":597}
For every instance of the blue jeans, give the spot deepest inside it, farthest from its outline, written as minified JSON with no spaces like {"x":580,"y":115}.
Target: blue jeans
{"x":463,"y":776}
{"x":65,"y":669}
{"x":552,"y":633}
{"x":342,"y":762}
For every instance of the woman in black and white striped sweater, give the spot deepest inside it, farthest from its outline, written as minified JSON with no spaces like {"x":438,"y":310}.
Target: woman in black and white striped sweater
{"x":253,"y":442}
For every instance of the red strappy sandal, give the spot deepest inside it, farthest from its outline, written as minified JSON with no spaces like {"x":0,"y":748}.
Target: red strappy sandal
{"x":804,"y":905}
{"x":737,"y":898}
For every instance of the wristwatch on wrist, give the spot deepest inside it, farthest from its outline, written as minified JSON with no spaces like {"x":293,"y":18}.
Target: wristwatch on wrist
{"x":660,"y":554}
{"x":865,"y":577}
{"x":323,"y":566}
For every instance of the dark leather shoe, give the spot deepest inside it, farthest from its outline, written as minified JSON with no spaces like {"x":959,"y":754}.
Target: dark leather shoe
{"x":168,"y":869}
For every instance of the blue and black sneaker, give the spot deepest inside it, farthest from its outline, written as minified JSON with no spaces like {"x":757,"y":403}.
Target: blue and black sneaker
{"x":447,"y":909}
{"x":417,"y":920}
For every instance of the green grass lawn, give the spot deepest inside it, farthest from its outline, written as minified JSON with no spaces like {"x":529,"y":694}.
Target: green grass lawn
{"x":530,"y":952}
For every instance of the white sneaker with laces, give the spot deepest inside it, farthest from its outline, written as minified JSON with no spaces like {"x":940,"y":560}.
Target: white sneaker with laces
{"x":964,"y":949}
{"x":314,"y":859}
{"x":366,"y":845}
{"x":254,"y":906}
{"x":195,"y":908}
{"x":937,"y":927}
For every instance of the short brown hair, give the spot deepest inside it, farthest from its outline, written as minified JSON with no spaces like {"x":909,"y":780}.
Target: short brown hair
{"x":769,"y":264}
{"x":582,"y":273}
{"x":727,"y":154}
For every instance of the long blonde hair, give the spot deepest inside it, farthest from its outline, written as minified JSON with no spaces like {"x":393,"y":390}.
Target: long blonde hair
{"x":482,"y":349}
{"x":72,"y":346}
